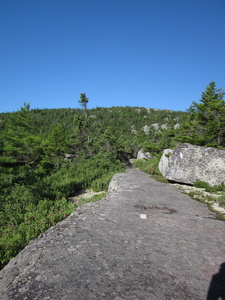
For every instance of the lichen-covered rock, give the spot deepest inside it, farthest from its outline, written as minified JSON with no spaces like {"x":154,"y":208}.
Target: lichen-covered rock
{"x":164,"y":161}
{"x":144,"y":155}
{"x":176,"y":126}
{"x":164,"y":126}
{"x":189,"y":163}
{"x":133,"y":130}
{"x":155,"y":126}
{"x":146,"y":129}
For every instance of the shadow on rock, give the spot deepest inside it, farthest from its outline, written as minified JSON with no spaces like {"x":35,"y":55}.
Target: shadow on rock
{"x":217,"y":286}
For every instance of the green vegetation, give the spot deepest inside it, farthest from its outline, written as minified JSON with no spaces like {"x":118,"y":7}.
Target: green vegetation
{"x":150,"y":167}
{"x":206,"y":123}
{"x":204,"y":185}
{"x":147,"y":166}
{"x":80,"y":200}
{"x":160,"y":178}
{"x":210,"y":200}
{"x":221,"y":201}
{"x":83,"y":102}
{"x":24,"y":226}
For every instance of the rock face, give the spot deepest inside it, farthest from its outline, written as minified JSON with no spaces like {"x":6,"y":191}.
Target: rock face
{"x":188,"y":163}
{"x":144,"y":155}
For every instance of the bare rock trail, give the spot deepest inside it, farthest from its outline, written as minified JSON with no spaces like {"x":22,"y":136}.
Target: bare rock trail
{"x":144,"y":240}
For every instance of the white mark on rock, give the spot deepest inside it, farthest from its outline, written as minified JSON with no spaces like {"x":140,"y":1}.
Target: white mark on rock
{"x":71,"y":249}
{"x":143,"y":216}
{"x":181,"y":155}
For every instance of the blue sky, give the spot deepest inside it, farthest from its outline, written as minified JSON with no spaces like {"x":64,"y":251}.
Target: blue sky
{"x":146,"y":53}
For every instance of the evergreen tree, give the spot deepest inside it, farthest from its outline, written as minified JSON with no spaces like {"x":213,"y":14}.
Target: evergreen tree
{"x":208,"y":116}
{"x":25,"y":107}
{"x":83,"y":101}
{"x":205,"y":125}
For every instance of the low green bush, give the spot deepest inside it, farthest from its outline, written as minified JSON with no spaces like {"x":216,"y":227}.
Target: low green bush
{"x":221,"y":200}
{"x":160,"y":178}
{"x":205,"y":185}
{"x":35,"y":220}
{"x":101,"y":184}
{"x":202,"y":185}
{"x":148,"y":166}
{"x":81,"y":201}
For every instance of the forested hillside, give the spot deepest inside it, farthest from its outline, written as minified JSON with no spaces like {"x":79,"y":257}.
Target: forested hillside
{"x":46,"y":155}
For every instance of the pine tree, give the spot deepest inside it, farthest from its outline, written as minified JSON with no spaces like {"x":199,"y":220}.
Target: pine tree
{"x":83,"y":101}
{"x":208,"y":117}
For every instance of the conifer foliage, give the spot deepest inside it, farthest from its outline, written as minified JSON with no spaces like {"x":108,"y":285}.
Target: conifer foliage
{"x":83,"y":102}
{"x":207,"y":118}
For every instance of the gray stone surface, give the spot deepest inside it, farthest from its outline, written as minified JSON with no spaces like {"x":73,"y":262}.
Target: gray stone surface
{"x":144,"y":155}
{"x":189,"y":163}
{"x":155,"y":126}
{"x":164,"y":126}
{"x":146,"y":129}
{"x":176,"y":126}
{"x":164,"y":161}
{"x":144,"y":240}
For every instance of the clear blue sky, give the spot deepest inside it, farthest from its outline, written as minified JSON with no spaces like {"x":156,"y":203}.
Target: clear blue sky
{"x":147,"y":53}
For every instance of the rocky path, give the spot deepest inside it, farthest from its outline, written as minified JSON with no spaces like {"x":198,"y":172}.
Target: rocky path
{"x":144,"y":240}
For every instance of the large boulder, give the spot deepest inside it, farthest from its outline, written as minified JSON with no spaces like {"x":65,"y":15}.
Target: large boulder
{"x":188,"y":164}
